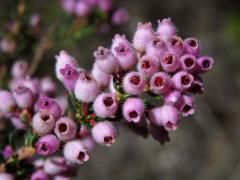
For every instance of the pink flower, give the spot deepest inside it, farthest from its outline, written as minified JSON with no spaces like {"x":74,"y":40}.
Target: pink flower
{"x":120,"y":16}
{"x":47,"y":144}
{"x":55,"y":165}
{"x":133,"y":83}
{"x":182,"y":80}
{"x":192,"y":46}
{"x":175,"y":45}
{"x":39,"y":174}
{"x":169,"y":62}
{"x":19,"y":69}
{"x":23,"y":97}
{"x":9,"y":102}
{"x":155,"y":47}
{"x":166,"y":29}
{"x":148,"y":65}
{"x":160,"y":83}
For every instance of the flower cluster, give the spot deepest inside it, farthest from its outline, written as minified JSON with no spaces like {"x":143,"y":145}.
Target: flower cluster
{"x":87,"y":8}
{"x":146,"y":84}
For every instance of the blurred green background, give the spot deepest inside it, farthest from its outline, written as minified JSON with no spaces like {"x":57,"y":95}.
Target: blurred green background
{"x":207,"y":145}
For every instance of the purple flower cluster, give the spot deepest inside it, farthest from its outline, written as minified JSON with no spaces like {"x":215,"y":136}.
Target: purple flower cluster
{"x":84,"y":8}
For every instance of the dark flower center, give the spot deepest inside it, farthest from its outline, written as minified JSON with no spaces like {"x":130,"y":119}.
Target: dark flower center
{"x":62,"y":127}
{"x":185,"y":80}
{"x":168,"y":59}
{"x":196,"y":88}
{"x":159,"y":81}
{"x":108,"y":139}
{"x":81,"y":156}
{"x":133,"y":114}
{"x":108,"y":101}
{"x":174,"y":41}
{"x":192,"y":43}
{"x":45,"y":103}
{"x":68,"y":73}
{"x":44,"y":147}
{"x":186,"y":108}
{"x":135,"y":80}
{"x":146,"y":64}
{"x":45,"y":117}
{"x":206,"y":64}
{"x":189,"y":62}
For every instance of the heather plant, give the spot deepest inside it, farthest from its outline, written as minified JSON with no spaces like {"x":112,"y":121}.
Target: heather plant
{"x":147,"y":84}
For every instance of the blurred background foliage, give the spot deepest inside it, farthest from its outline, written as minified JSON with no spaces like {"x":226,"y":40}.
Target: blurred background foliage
{"x":207,"y":145}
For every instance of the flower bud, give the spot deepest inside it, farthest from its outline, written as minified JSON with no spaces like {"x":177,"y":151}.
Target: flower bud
{"x":169,"y":117}
{"x":126,"y":56}
{"x":9,"y":102}
{"x":175,"y":45}
{"x":204,"y":64}
{"x":133,"y":109}
{"x":186,"y":107}
{"x":6,"y":176}
{"x":166,"y":29}
{"x":43,"y":122}
{"x":160,"y":83}
{"x":19,"y":69}
{"x":148,"y":65}
{"x":192,"y":46}
{"x":119,"y":39}
{"x":86,"y":88}
{"x":75,"y":152}
{"x":48,"y":86}
{"x":49,"y":104}
{"x":119,"y":17}
{"x":23,"y":97}
{"x":155,"y":47}
{"x":105,"y":105}
{"x":104,"y":133}
{"x":182,"y":80}
{"x":55,"y":165}
{"x":173,"y":97}
{"x":47,"y":144}
{"x":62,"y":59}
{"x":101,"y":77}
{"x":142,"y":36}
{"x":39,"y":174}
{"x":188,"y":63}
{"x":65,"y":129}
{"x":82,"y":8}
{"x":134,"y":83}
{"x":106,"y":61}
{"x":70,"y":76}
{"x":169,"y":62}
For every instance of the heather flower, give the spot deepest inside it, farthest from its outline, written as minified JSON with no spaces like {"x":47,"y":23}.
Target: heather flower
{"x":101,"y":77}
{"x":82,"y":8}
{"x":175,"y":45}
{"x":204,"y":64}
{"x":160,"y":83}
{"x":142,"y":36}
{"x":49,"y":104}
{"x":9,"y":102}
{"x":7,"y":45}
{"x":166,"y":29}
{"x":75,"y":152}
{"x":182,"y":80}
{"x":39,"y":175}
{"x":155,"y":47}
{"x":155,"y":116}
{"x":119,"y":16}
{"x":169,"y":62}
{"x":47,"y":86}
{"x":38,"y":163}
{"x":186,"y":107}
{"x":6,"y":176}
{"x":148,"y":65}
{"x":188,"y":63}
{"x":86,"y":88}
{"x":70,"y":76}
{"x":192,"y":46}
{"x":68,"y":5}
{"x":133,"y":109}
{"x":47,"y":144}
{"x":23,"y":97}
{"x":32,"y":84}
{"x":105,"y":5}
{"x":55,"y":165}
{"x":43,"y":122}
{"x":133,"y":83}
{"x":125,"y":55}
{"x":104,"y":133}
{"x":18,"y":123}
{"x":65,"y":129}
{"x":197,"y":85}
{"x":19,"y":69}
{"x":105,"y":59}
{"x":62,"y":101}
{"x":7,"y":152}
{"x":105,"y":105}
{"x":119,"y":39}
{"x":62,"y":59}
{"x":173,"y":97}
